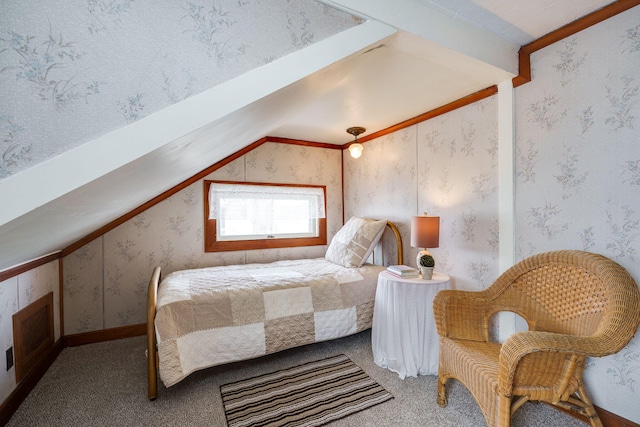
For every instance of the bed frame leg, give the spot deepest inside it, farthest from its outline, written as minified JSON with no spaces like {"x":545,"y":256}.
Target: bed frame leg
{"x":152,"y":376}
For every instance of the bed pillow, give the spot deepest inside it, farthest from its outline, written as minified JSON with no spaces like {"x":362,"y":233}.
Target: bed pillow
{"x":352,"y":245}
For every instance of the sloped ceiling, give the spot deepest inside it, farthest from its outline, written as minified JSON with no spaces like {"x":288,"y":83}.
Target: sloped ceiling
{"x":407,"y":58}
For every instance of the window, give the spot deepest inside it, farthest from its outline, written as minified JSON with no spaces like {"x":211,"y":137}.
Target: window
{"x":241,"y":216}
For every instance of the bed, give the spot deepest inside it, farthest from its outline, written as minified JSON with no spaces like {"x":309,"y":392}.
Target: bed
{"x":210,"y":316}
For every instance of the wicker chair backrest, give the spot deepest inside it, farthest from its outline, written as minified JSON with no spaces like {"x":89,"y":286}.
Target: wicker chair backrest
{"x":572,"y":292}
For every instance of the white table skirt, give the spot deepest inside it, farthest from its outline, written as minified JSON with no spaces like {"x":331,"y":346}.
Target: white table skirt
{"x":404,"y":337}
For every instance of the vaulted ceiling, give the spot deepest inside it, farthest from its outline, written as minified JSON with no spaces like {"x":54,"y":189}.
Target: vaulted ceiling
{"x":408,"y":57}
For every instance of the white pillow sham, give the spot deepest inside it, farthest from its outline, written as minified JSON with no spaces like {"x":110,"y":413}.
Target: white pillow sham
{"x":354,"y":242}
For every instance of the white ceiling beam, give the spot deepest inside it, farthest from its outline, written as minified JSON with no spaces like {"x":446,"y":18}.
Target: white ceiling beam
{"x":435,"y":26}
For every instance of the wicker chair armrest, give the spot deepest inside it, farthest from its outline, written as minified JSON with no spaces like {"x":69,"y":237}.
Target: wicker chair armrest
{"x":541,"y":349}
{"x":462,"y":314}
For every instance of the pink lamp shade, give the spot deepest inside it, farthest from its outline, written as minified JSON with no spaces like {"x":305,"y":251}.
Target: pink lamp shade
{"x":425,"y":231}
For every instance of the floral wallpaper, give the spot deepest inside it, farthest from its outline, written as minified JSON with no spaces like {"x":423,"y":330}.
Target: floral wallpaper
{"x":381,"y":185}
{"x":72,"y":71}
{"x":577,"y":160}
{"x":577,"y":176}
{"x":578,"y":169}
{"x":15,"y":294}
{"x":446,"y":167}
{"x":105,"y":281}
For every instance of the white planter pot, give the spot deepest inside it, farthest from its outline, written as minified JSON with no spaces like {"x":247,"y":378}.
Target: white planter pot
{"x":427,"y":272}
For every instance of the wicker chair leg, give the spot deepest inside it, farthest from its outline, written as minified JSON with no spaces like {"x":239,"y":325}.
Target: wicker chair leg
{"x":589,"y":410}
{"x":594,"y":420}
{"x":518,"y":403}
{"x":442,"y":393}
{"x":580,"y":404}
{"x":503,"y":411}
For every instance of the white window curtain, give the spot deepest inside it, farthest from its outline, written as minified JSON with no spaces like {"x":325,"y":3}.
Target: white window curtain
{"x":252,"y":210}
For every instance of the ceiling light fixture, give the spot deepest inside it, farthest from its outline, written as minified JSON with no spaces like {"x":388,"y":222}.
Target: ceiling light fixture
{"x":356,"y":148}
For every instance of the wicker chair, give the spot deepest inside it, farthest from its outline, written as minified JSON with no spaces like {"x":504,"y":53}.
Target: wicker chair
{"x":576,"y":304}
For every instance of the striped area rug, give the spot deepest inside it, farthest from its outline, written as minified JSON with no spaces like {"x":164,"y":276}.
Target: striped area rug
{"x":312,"y":394}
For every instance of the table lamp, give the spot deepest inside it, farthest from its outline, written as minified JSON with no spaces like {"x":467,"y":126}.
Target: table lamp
{"x":425,"y":233}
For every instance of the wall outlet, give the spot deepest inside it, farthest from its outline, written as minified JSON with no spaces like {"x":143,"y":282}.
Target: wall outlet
{"x":9,"y":358}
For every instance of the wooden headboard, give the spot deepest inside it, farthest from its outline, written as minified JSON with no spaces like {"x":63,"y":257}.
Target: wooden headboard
{"x":393,"y":228}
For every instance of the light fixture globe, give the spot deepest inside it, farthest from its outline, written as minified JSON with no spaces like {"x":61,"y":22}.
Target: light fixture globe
{"x":356,"y":148}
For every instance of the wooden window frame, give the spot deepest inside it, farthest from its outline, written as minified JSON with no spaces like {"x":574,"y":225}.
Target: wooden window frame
{"x":211,"y":244}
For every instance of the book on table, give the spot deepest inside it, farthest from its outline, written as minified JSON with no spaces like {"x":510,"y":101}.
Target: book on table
{"x":403,"y":271}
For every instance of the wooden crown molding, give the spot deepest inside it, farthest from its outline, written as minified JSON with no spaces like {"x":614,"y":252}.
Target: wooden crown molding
{"x":22,"y":268}
{"x":568,"y":30}
{"x":454,"y":105}
{"x":303,"y":143}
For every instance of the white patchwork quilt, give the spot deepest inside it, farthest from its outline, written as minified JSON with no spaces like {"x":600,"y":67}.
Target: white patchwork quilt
{"x":211,"y":316}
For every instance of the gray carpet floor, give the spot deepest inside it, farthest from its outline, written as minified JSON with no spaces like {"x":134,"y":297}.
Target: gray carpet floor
{"x":105,"y":385}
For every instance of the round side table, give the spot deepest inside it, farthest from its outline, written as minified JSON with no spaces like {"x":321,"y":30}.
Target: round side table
{"x":403,"y":335}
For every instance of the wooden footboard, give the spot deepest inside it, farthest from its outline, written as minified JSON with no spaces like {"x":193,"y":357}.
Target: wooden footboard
{"x":152,"y":298}
{"x":152,"y":351}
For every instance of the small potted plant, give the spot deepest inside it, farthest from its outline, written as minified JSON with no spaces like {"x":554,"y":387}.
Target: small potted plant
{"x":426,"y":266}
